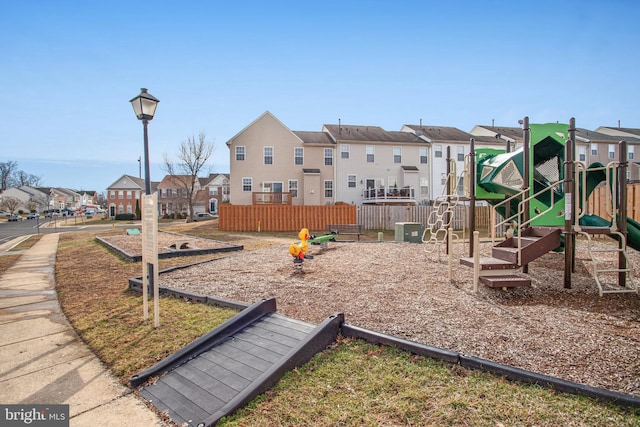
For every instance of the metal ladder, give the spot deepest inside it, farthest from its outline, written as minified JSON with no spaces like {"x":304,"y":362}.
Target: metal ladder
{"x":601,"y":267}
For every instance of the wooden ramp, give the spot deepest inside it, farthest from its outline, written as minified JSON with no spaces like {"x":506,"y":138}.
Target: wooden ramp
{"x":225,"y":369}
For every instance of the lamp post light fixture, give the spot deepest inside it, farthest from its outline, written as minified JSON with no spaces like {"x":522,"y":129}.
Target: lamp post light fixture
{"x":144,"y":105}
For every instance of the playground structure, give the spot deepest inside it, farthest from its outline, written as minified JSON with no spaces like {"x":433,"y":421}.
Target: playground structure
{"x":541,"y":193}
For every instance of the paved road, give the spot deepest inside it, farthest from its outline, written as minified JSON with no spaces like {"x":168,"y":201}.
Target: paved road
{"x":11,"y":230}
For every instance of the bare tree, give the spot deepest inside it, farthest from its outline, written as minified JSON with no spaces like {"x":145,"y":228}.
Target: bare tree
{"x":10,"y":204}
{"x":193,"y":154}
{"x":22,"y":178}
{"x":6,"y":171}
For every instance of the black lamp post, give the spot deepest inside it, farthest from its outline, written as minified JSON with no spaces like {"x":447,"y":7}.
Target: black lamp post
{"x":144,"y":105}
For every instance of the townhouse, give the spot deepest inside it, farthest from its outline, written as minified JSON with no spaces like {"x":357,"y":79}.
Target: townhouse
{"x":30,"y":198}
{"x":125,"y":194}
{"x":269,"y":163}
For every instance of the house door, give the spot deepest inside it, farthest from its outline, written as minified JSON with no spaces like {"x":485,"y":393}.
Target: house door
{"x":276,"y":189}
{"x":370,"y":192}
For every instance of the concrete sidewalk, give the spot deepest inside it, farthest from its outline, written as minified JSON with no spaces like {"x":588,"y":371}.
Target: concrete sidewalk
{"x":43,"y":361}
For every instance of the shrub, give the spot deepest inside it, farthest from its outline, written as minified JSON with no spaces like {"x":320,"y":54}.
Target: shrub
{"x":125,"y":217}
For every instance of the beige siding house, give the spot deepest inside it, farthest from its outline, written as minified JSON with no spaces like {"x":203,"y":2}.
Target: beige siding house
{"x":632,"y":136}
{"x":267,"y":159}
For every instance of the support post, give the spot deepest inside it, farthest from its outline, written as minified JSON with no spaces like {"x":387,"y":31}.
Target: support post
{"x":450,"y":257}
{"x":569,"y":203}
{"x":472,"y":192}
{"x":622,"y":212}
{"x":527,"y":176}
{"x":449,"y":185}
{"x":476,"y":261}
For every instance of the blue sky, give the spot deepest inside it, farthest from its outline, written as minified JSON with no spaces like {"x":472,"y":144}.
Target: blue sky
{"x":69,"y":69}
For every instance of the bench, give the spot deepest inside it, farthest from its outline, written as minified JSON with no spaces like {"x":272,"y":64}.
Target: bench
{"x":345,"y":229}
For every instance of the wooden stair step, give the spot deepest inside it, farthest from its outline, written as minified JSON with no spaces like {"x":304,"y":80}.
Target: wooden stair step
{"x":490,"y":263}
{"x":505,"y":281}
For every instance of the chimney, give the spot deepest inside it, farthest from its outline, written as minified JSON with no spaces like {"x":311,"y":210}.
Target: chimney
{"x":420,"y":123}
{"x":492,"y":122}
{"x":618,"y":124}
{"x":339,"y":125}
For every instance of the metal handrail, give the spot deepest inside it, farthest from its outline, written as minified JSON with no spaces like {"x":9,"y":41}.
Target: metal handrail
{"x":611,"y":209}
{"x":506,"y":220}
{"x":522,"y":204}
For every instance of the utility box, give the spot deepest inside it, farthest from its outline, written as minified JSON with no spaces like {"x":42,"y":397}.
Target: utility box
{"x":409,"y":232}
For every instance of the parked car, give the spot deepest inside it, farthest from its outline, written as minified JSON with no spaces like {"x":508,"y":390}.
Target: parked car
{"x":5,"y":214}
{"x":203,"y":216}
{"x":15,"y":218}
{"x":33,"y":216}
{"x":90,"y":212}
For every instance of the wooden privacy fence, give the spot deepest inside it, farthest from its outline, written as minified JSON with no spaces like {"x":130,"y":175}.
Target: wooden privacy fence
{"x":315,"y":218}
{"x":379,"y":217}
{"x":283,"y":217}
{"x":601,"y":198}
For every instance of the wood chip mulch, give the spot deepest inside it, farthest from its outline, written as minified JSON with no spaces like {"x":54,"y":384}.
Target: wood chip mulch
{"x":403,"y":290}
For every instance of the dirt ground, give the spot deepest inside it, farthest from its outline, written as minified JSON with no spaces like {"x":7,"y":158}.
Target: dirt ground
{"x":403,"y":290}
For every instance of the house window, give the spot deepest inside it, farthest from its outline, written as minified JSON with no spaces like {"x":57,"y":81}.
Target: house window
{"x":460,"y":153}
{"x":120,"y":194}
{"x":424,"y":186}
{"x":247,"y":184}
{"x":437,"y":150}
{"x":328,"y":156}
{"x":240,"y":153}
{"x":351,"y":181}
{"x":460,"y":188}
{"x":129,"y":194}
{"x":630,"y":153}
{"x":582,"y":154}
{"x":397,"y":154}
{"x":371,"y":151}
{"x":594,"y":149}
{"x":344,"y":151}
{"x":423,"y":155}
{"x":612,"y":151}
{"x":298,"y":156}
{"x":112,"y":194}
{"x":393,"y":183}
{"x":328,"y":188}
{"x":213,"y":191}
{"x":129,"y":209}
{"x":268,"y":155}
{"x":293,"y":187}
